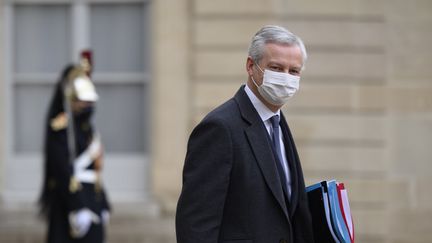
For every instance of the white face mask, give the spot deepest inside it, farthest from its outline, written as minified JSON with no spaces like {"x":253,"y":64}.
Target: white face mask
{"x":277,"y":87}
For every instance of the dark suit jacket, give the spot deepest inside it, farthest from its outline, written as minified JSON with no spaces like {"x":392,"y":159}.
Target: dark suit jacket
{"x":231,"y":190}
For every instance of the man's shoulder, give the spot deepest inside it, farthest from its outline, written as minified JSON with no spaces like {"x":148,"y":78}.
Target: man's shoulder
{"x":226,"y":111}
{"x":230,"y":108}
{"x":229,"y":113}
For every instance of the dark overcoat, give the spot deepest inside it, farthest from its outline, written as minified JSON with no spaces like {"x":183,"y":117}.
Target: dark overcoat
{"x":231,"y":189}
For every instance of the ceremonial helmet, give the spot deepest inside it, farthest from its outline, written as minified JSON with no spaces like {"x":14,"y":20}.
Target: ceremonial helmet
{"x":79,"y":84}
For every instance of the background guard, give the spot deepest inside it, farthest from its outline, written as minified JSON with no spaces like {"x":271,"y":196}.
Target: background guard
{"x":73,"y":199}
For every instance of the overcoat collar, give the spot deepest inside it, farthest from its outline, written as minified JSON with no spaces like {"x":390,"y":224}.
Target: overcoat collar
{"x":256,"y":134}
{"x":257,"y":137}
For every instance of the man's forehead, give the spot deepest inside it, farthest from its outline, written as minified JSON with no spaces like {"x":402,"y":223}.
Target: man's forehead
{"x":281,"y":48}
{"x":282,"y":53}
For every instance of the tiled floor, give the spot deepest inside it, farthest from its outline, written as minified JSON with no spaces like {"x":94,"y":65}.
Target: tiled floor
{"x":125,"y":227}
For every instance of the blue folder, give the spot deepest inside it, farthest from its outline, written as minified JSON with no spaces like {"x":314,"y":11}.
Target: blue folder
{"x":337,"y":217}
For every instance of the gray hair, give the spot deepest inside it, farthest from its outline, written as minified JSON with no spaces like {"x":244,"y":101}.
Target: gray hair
{"x":274,"y":34}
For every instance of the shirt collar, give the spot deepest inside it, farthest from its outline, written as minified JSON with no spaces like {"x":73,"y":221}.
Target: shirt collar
{"x":263,"y":111}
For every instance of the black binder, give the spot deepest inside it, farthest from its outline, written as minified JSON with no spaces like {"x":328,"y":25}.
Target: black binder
{"x":322,"y":232}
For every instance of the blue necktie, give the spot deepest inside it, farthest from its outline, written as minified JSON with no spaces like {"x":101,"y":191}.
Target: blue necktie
{"x":278,"y":153}
{"x":276,"y":142}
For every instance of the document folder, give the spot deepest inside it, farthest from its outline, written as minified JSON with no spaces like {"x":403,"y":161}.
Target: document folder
{"x":331,"y":214}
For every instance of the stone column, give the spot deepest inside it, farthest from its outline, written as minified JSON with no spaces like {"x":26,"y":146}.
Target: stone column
{"x":170,"y":102}
{"x":2,"y":100}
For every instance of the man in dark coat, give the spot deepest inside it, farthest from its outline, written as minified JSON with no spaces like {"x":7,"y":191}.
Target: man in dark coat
{"x":242,"y":178}
{"x":73,"y":199}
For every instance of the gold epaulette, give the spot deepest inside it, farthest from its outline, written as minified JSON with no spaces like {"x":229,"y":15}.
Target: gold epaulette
{"x":59,"y":122}
{"x":74,"y":185}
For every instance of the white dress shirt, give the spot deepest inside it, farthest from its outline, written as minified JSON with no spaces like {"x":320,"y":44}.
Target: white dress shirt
{"x":265,"y":113}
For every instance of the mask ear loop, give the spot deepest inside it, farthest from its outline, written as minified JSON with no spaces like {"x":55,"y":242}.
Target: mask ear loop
{"x":259,"y":67}
{"x":253,"y":80}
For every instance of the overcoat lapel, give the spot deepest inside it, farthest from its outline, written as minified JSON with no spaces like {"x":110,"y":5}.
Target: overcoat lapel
{"x":257,"y":137}
{"x":293,"y":160}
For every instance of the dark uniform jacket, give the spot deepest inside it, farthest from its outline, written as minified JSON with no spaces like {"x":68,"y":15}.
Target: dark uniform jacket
{"x":231,"y":189}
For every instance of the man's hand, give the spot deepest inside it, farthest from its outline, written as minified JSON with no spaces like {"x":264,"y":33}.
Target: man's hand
{"x":105,"y":217}
{"x":80,"y":222}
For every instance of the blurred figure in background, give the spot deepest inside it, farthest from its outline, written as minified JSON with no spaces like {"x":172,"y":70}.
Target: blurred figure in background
{"x":73,"y":199}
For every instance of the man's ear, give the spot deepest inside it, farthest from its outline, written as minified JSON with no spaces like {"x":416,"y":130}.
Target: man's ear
{"x":249,"y":65}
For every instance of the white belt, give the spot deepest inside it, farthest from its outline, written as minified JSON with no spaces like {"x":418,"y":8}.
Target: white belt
{"x":87,"y":176}
{"x":85,"y":159}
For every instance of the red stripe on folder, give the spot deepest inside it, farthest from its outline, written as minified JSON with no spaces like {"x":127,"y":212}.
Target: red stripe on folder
{"x":340,"y":188}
